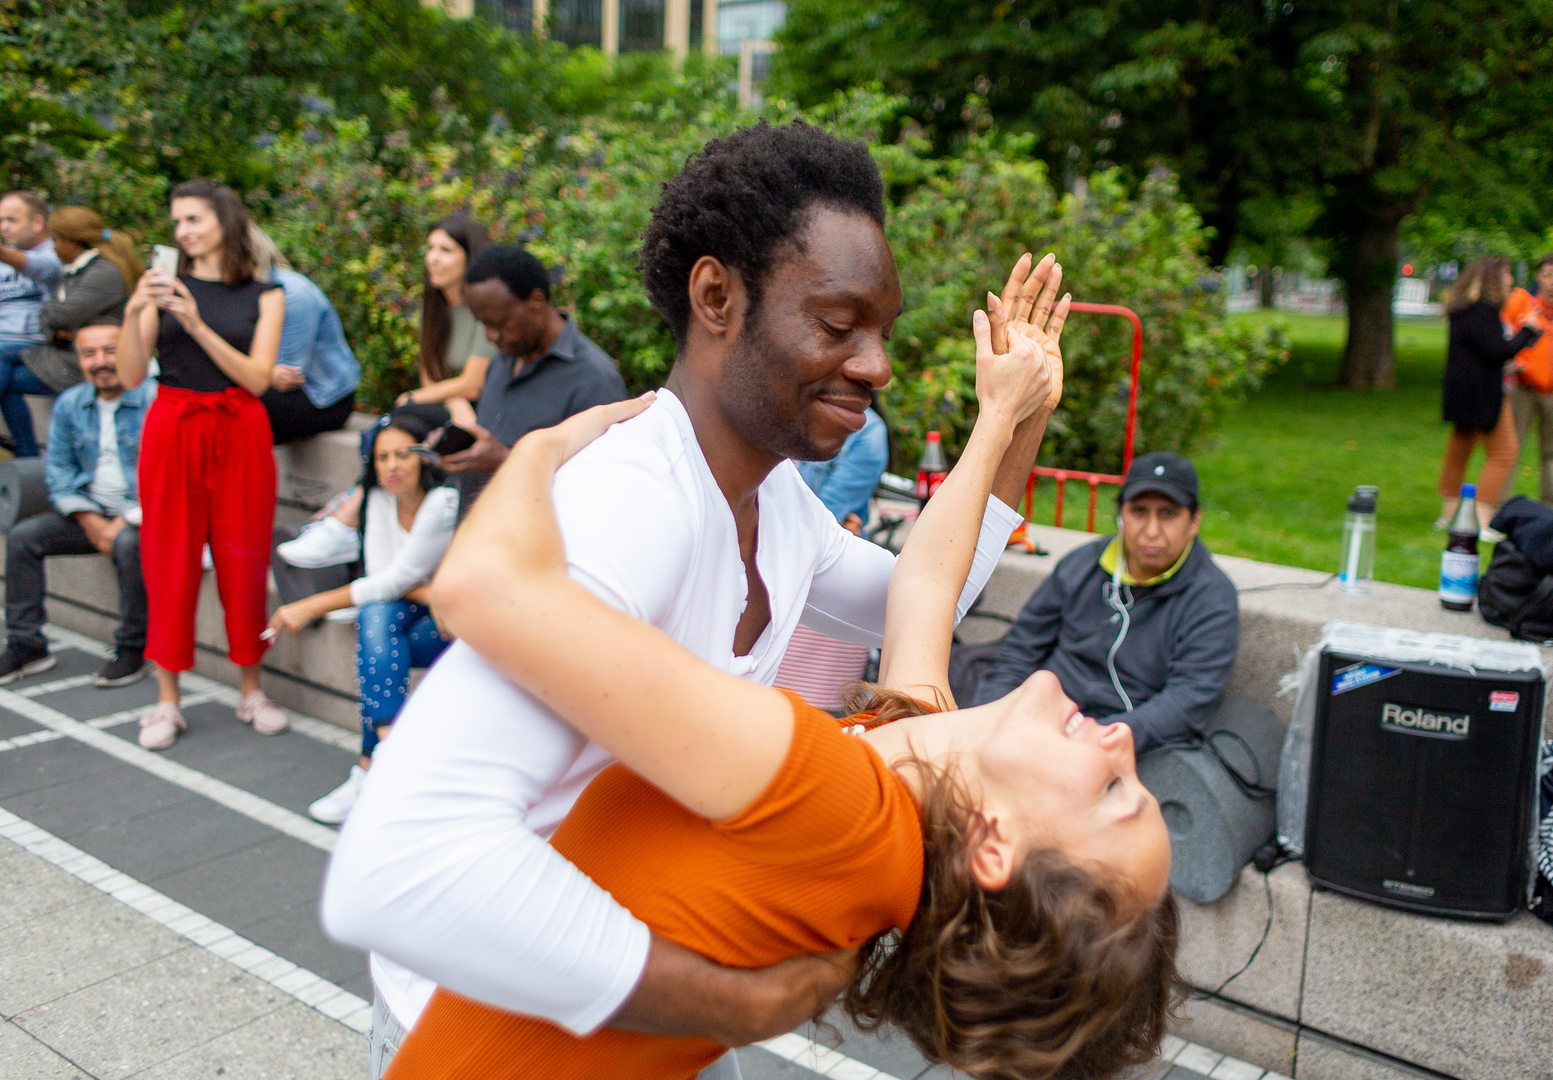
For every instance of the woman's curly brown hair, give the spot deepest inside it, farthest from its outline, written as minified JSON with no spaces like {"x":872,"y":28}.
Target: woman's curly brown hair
{"x":1043,"y":980}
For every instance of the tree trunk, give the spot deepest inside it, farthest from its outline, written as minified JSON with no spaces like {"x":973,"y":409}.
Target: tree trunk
{"x":1369,"y":360}
{"x":1267,"y":287}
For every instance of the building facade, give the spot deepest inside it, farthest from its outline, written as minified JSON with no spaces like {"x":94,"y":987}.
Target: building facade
{"x":616,"y":26}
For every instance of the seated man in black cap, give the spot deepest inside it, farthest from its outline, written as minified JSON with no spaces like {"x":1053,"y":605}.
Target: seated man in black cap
{"x":1141,"y":626}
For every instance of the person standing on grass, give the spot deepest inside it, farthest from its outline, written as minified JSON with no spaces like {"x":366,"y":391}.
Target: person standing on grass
{"x":1473,"y":395}
{"x":1531,"y":396}
{"x":93,"y":446}
{"x":409,"y":512}
{"x":207,"y":467}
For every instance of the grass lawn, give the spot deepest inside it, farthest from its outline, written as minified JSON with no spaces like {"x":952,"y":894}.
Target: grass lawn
{"x":1278,"y":470}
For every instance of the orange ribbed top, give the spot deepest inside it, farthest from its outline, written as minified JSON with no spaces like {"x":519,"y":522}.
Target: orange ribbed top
{"x":828,"y":856}
{"x":1534,"y":364}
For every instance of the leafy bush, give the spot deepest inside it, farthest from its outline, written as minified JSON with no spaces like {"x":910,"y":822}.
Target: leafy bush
{"x":351,"y":205}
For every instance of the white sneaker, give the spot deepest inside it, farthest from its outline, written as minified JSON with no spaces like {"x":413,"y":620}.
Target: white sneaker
{"x":335,"y":807}
{"x":325,"y":542}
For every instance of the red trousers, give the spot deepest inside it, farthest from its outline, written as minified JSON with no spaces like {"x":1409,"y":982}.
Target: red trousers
{"x":207,"y":475}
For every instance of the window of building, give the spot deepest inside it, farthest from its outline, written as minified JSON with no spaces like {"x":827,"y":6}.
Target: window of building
{"x":641,"y":25}
{"x":739,"y":21}
{"x":577,"y":22}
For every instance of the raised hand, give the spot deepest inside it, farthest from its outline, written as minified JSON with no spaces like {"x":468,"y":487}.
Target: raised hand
{"x":1016,"y":383}
{"x":1029,"y":307}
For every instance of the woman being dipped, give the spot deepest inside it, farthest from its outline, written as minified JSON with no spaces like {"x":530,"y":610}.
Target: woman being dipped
{"x":207,"y":471}
{"x":1002,"y":867}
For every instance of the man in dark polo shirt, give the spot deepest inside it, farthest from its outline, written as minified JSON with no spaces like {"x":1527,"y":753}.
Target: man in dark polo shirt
{"x":546,"y":369}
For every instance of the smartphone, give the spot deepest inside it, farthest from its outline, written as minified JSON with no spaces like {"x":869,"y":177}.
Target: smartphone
{"x":453,"y":440}
{"x":427,"y":454}
{"x":165,"y":259}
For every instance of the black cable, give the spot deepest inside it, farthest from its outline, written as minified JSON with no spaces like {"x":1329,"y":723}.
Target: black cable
{"x":1323,"y":583}
{"x":1267,"y":881}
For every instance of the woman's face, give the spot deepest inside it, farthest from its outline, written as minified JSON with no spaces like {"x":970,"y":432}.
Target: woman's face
{"x":1509,"y":280}
{"x":67,"y":250}
{"x":398,"y":470}
{"x":1051,"y":777}
{"x":445,"y":260}
{"x":195,"y":227}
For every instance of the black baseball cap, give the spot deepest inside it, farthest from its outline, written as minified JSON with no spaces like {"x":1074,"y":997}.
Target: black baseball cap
{"x":1167,"y":473}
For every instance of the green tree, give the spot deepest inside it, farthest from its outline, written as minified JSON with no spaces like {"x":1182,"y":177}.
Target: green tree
{"x":1374,"y":109}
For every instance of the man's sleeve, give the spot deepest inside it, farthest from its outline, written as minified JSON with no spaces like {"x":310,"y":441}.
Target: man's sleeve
{"x":847,"y":597}
{"x":437,"y":868}
{"x":1202,"y":651}
{"x":1029,"y":644}
{"x":44,"y":267}
{"x":59,"y":467}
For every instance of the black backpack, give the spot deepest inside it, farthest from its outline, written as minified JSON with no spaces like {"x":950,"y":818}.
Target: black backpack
{"x":1514,"y":594}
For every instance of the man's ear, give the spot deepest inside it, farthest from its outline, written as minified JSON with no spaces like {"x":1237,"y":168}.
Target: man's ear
{"x":717,"y":296}
{"x":992,"y":860}
{"x":1196,"y":521}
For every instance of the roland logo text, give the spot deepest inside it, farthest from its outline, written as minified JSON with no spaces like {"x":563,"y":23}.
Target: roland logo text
{"x":1417,"y":720}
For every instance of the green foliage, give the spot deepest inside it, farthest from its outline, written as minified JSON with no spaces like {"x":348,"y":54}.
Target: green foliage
{"x":355,"y":214}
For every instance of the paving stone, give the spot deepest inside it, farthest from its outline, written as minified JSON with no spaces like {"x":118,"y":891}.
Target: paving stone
{"x":1324,"y":1060}
{"x":33,"y":768}
{"x":90,"y":702}
{"x":12,"y":725}
{"x":292,"y":1043}
{"x":360,"y":985}
{"x":297,"y":935}
{"x":130,"y":1022}
{"x":114,"y":793}
{"x":1470,"y":1000}
{"x":171,"y":838}
{"x":887,"y":1049}
{"x":24,"y":1058}
{"x":30,"y":887}
{"x":46,"y":958}
{"x":252,"y":883}
{"x":290,"y":770}
{"x":758,"y":1064}
{"x":69,"y":662}
{"x":1218,"y":938}
{"x":1237,"y":1034}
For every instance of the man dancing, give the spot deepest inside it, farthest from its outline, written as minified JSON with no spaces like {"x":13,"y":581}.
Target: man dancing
{"x":767,"y":255}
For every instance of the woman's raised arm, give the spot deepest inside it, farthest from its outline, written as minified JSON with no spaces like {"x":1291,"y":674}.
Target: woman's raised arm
{"x":709,"y":740}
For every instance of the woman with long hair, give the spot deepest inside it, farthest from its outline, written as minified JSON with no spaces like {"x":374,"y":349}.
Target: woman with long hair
{"x":408,"y":515}
{"x":1473,"y":394}
{"x":1002,"y":868}
{"x":454,"y":351}
{"x":207,"y":467}
{"x":454,"y":357}
{"x":101,"y":268}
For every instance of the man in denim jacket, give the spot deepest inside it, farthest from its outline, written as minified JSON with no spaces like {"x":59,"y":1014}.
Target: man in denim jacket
{"x":93,"y":446}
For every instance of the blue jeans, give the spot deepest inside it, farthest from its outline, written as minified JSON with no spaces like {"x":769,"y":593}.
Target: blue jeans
{"x":17,"y":379}
{"x":392,"y":636}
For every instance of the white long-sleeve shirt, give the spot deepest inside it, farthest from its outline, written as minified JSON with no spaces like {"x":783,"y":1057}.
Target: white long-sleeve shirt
{"x":398,"y":560}
{"x":442,"y":869}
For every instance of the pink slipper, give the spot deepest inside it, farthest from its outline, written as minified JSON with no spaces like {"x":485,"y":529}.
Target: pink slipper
{"x":159,"y":728}
{"x":265,"y":716}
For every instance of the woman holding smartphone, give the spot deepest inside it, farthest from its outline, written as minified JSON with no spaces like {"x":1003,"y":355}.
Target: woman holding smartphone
{"x":207,"y":472}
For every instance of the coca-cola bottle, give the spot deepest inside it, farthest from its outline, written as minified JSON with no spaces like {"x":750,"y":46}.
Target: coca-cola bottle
{"x":932,"y":469}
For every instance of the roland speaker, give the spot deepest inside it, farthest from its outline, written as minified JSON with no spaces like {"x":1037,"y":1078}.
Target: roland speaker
{"x":1421,"y":784}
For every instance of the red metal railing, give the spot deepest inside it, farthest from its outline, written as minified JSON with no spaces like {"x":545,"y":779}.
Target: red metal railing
{"x":1094,"y":480}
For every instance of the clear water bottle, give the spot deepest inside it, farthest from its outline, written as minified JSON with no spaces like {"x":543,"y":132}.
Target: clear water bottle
{"x":1357,"y":569}
{"x":1459,"y":564}
{"x":932,"y":469}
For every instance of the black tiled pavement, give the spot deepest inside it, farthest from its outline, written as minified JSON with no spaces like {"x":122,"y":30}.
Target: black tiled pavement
{"x":68,"y":662}
{"x":12,"y":725}
{"x":245,"y":875}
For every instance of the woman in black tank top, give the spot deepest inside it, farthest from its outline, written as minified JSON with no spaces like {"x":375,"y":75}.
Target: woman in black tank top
{"x":207,"y":470}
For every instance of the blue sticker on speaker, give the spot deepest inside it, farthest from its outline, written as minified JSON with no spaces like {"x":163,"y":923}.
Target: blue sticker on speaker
{"x":1360,"y":675}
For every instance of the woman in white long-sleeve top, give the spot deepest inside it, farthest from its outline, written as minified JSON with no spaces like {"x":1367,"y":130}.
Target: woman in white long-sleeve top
{"x":408,"y":520}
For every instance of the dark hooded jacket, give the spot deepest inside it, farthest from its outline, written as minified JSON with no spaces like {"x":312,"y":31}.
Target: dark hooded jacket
{"x":1174,"y":662}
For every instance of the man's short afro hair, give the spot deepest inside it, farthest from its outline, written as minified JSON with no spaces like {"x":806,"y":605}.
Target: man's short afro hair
{"x":741,"y":198}
{"x":515,"y":267}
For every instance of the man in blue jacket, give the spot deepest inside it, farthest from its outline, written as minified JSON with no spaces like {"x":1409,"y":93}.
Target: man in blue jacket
{"x":1147,"y":634}
{"x":94,"y":444}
